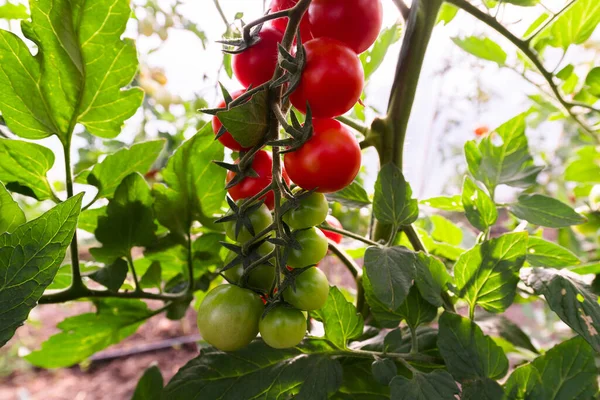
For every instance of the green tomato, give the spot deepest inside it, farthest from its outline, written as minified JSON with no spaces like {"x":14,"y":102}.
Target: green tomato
{"x":313,"y":245}
{"x":261,"y":277}
{"x":592,"y":225}
{"x":260,"y":219}
{"x":228,"y":317}
{"x":311,"y":212}
{"x":312,"y":289}
{"x":283,"y":327}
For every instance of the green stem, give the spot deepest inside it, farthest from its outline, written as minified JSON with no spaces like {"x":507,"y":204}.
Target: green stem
{"x":134,"y":273}
{"x":414,"y":341}
{"x":84,"y":293}
{"x":345,"y":259}
{"x":190,"y":264}
{"x":356,"y":125}
{"x":349,"y":234}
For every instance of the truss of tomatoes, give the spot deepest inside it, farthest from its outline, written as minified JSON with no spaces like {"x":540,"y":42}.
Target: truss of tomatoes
{"x":334,"y":32}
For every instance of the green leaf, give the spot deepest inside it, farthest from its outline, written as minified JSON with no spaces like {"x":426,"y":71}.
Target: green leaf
{"x":29,"y":259}
{"x":431,"y":278}
{"x":574,"y":26}
{"x":152,"y":278}
{"x":482,"y":389}
{"x":437,"y":385}
{"x":445,"y":231}
{"x":358,"y":382}
{"x":590,"y":268}
{"x":416,"y":310}
{"x":227,"y":65}
{"x":112,"y":276}
{"x":523,"y":3}
{"x":259,"y":371}
{"x":541,"y":253}
{"x":569,"y":298}
{"x":565,"y":372}
{"x":545,"y":211}
{"x":468,"y":353}
{"x":354,"y":196}
{"x":484,"y":48}
{"x":372,"y":58}
{"x":385,"y":316}
{"x":488,"y":274}
{"x":341,"y":319}
{"x":504,"y":328}
{"x":585,"y":168}
{"x":88,"y":219}
{"x":480,"y":209}
{"x":23,"y":168}
{"x":249,"y":122}
{"x":150,"y":386}
{"x":108,"y":174}
{"x":391,"y":271}
{"x":592,"y":81}
{"x":13,"y":11}
{"x":384,"y":370}
{"x":129,"y":220}
{"x":11,"y":215}
{"x":447,"y":13}
{"x":566,"y":72}
{"x":195,"y":183}
{"x":78,"y":74}
{"x":453,"y":203}
{"x":393,"y":202}
{"x":86,"y":334}
{"x":509,"y":164}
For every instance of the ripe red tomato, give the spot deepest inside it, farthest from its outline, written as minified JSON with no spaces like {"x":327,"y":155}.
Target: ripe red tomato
{"x":248,"y":187}
{"x":227,"y":140}
{"x":356,"y":23}
{"x":281,"y":23}
{"x":481,"y":130}
{"x":256,"y":65}
{"x":329,"y":161}
{"x":334,"y":223}
{"x":332,"y":80}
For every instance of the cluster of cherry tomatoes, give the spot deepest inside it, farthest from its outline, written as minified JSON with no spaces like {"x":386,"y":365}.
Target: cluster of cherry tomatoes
{"x":334,"y":32}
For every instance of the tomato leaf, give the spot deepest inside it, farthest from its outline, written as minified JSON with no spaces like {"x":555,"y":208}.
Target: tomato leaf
{"x":108,"y":174}
{"x":592,"y":81}
{"x":393,"y":203}
{"x":431,"y":278}
{"x":23,"y":168}
{"x":508,"y":164}
{"x":547,"y":377}
{"x":13,"y":11}
{"x":570,"y":299}
{"x":384,"y":370}
{"x":445,"y":231}
{"x":78,"y":74}
{"x":488,"y":274}
{"x":29,"y":260}
{"x":341,"y":319}
{"x":112,"y":276}
{"x":447,"y":13}
{"x":445,"y":203}
{"x":259,"y":371}
{"x":354,"y":196}
{"x":129,"y":221}
{"x":545,"y":211}
{"x":415,"y":310}
{"x":541,"y":253}
{"x":150,"y":386}
{"x":358,"y":382}
{"x":482,"y":389}
{"x":574,"y":26}
{"x":373,"y":58}
{"x":391,"y":271}
{"x":483,"y":48}
{"x":468,"y":353}
{"x":480,"y":209}
{"x":585,"y":168}
{"x":248,"y":123}
{"x":499,"y":326}
{"x":86,"y":334}
{"x":437,"y":385}
{"x":11,"y":215}
{"x":88,"y":219}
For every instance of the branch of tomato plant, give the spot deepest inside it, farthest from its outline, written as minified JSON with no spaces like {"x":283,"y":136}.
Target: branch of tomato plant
{"x":403,"y":8}
{"x":350,"y":235}
{"x":547,"y":22}
{"x":525,"y":48}
{"x":352,"y":123}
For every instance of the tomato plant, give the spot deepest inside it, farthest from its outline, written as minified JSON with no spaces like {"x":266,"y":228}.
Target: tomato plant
{"x":424,"y":298}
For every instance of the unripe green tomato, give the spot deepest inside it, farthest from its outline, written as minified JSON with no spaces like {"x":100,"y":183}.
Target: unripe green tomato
{"x":595,"y":197}
{"x":311,"y":212}
{"x":228,"y":317}
{"x":283,"y":327}
{"x":313,"y":245}
{"x":260,"y":219}
{"x":591,"y":227}
{"x":261,"y":277}
{"x":312,"y":289}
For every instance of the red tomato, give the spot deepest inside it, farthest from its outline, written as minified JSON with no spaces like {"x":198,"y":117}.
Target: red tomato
{"x":281,"y":23}
{"x":248,"y":187}
{"x":481,"y":131}
{"x":256,"y":65}
{"x":332,"y":80}
{"x":227,"y":140}
{"x":334,"y":223}
{"x":356,"y":23}
{"x":329,"y":161}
